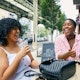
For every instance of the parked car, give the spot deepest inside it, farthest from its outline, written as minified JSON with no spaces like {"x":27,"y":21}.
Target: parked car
{"x":40,"y":39}
{"x":29,"y":40}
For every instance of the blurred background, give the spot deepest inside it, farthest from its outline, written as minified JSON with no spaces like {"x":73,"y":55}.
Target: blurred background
{"x":41,"y":20}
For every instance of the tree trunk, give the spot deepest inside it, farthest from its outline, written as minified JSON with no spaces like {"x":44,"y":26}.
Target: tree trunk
{"x":51,"y":35}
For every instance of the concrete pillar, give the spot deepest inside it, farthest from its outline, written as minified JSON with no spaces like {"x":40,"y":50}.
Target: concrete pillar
{"x":35,"y":25}
{"x":35,"y":19}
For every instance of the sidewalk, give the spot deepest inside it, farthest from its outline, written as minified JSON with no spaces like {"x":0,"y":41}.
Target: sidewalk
{"x":36,"y":51}
{"x":34,"y":54}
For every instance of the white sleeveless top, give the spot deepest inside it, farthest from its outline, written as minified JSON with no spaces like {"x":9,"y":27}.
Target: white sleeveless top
{"x":23,"y":67}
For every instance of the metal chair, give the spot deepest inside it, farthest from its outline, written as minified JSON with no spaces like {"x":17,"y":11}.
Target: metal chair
{"x":47,"y":51}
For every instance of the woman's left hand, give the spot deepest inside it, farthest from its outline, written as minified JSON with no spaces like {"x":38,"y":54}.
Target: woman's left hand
{"x":73,"y":54}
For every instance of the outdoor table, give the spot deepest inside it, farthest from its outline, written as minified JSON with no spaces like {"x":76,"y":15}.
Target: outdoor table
{"x":77,"y":73}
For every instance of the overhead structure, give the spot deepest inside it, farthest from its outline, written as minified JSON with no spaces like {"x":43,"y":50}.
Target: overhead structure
{"x":77,"y":3}
{"x":27,"y":3}
{"x":15,"y":7}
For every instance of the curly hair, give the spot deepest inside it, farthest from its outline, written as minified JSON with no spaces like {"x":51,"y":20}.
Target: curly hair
{"x":6,"y":24}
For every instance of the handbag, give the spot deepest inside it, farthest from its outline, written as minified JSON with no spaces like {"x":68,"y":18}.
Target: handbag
{"x":57,"y":69}
{"x":31,"y":73}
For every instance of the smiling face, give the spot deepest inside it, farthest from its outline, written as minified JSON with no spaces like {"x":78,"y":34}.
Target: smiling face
{"x":68,"y":28}
{"x":13,"y":35}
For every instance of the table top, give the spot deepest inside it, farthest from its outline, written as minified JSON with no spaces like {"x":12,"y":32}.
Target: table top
{"x":77,"y":74}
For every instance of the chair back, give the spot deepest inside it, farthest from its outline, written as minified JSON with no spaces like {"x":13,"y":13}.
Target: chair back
{"x":47,"y":51}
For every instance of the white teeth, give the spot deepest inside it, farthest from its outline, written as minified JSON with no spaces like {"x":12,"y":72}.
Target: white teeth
{"x":66,"y":30}
{"x":17,"y":34}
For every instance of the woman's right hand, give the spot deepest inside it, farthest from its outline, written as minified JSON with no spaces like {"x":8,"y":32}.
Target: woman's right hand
{"x":24,"y":51}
